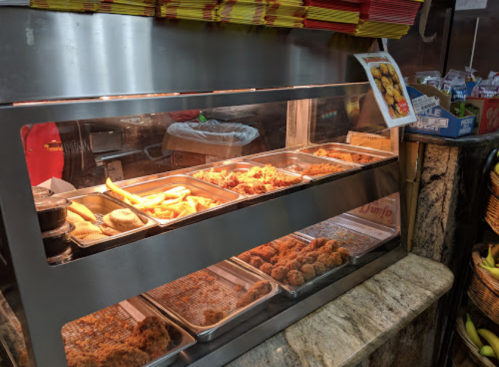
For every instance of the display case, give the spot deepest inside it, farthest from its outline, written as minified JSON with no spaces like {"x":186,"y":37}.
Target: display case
{"x":205,"y":179}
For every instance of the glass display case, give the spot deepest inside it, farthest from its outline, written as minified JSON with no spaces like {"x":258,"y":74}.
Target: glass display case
{"x":185,"y":228}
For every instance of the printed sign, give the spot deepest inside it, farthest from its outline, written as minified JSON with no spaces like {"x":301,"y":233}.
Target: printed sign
{"x":434,"y":122}
{"x":423,"y":103}
{"x":389,"y":88}
{"x":471,"y":4}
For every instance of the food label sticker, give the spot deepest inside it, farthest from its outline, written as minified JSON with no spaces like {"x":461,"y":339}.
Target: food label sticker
{"x":388,"y":88}
{"x":434,"y":122}
{"x":115,"y":170}
{"x":424,"y":103}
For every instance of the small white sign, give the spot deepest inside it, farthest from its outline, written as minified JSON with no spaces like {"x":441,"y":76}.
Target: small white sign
{"x":434,"y":122}
{"x":424,"y":103}
{"x":471,"y":4}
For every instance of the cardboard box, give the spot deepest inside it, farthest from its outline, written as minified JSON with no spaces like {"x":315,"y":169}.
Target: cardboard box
{"x":178,"y":144}
{"x":487,"y":120}
{"x":438,"y":120}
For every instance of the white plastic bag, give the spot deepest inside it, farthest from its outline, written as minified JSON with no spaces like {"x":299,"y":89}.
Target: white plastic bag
{"x":214,"y":133}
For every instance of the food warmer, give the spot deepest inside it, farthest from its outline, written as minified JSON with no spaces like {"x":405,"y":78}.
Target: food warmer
{"x":298,"y":88}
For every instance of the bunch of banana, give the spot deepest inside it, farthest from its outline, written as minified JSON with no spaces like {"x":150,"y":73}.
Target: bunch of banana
{"x":491,"y":350}
{"x":490,"y":261}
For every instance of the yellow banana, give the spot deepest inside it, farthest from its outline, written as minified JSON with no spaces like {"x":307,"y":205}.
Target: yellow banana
{"x":487,"y":351}
{"x":490,"y":259}
{"x":491,"y":338}
{"x":493,"y":271}
{"x":495,"y":252}
{"x":496,"y":169}
{"x":471,"y":330}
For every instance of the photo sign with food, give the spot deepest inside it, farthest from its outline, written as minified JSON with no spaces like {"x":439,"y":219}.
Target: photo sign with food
{"x":389,"y":88}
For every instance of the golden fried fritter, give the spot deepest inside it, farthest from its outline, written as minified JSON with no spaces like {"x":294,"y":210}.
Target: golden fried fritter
{"x":212,"y":317}
{"x":313,"y":255}
{"x":321,"y":169}
{"x":326,"y":260}
{"x":332,"y":244}
{"x":121,"y":356}
{"x":336,"y":259}
{"x":77,"y":359}
{"x":304,"y":259}
{"x":258,"y":290}
{"x":150,"y":335}
{"x":295,"y":277}
{"x":265,"y":252}
{"x":256,"y":261}
{"x":263,"y":287}
{"x":267,"y":268}
{"x":245,"y":256}
{"x":293,"y":265}
{"x":280,"y":272}
{"x":308,"y":271}
{"x":319,"y":268}
{"x":344,"y":253}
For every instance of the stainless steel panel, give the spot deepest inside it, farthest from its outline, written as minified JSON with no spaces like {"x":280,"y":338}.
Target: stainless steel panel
{"x":228,"y":198}
{"x":101,"y":205}
{"x":56,"y":55}
{"x":296,"y":162}
{"x":296,"y":291}
{"x":380,"y":155}
{"x":233,"y":274}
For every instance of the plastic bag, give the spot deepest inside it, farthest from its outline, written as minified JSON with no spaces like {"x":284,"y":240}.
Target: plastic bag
{"x":214,"y":133}
{"x":429,"y":77}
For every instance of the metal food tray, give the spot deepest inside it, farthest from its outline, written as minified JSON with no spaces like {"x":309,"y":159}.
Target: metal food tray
{"x":292,"y":291}
{"x":380,"y":155}
{"x":245,"y":167}
{"x":120,"y":321}
{"x":229,"y":198}
{"x":186,"y":299}
{"x":359,"y":236}
{"x":101,"y":205}
{"x":296,"y":162}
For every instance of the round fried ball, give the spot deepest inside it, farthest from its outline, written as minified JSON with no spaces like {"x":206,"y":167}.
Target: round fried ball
{"x":344,"y":253}
{"x":319,"y":268}
{"x":375,"y":73}
{"x":267,"y":268}
{"x":326,"y":260}
{"x":391,"y":69}
{"x":308,"y":271}
{"x":279,"y":272}
{"x":333,"y":244}
{"x":245,"y":256}
{"x":389,"y":90}
{"x":304,"y":260}
{"x":325,"y":250}
{"x":275,"y":260}
{"x":293,"y":265}
{"x":386,"y":82}
{"x":389,"y":99}
{"x":256,"y":261}
{"x":295,"y":278}
{"x":336,"y":259}
{"x":383,"y":68}
{"x":379,"y":85}
{"x":313,"y":255}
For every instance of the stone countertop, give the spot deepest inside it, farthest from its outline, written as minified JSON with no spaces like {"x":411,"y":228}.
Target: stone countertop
{"x":471,"y":141}
{"x":347,"y":330}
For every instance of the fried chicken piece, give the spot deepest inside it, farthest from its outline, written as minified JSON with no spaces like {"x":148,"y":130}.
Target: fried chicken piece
{"x":293,"y":265}
{"x":304,"y":260}
{"x":245,"y":256}
{"x":326,"y":260}
{"x":212,"y":317}
{"x":259,"y":187}
{"x":280,"y":272}
{"x":229,"y":181}
{"x":248,"y":298}
{"x":256,"y":261}
{"x":361,"y":158}
{"x":336,"y":259}
{"x":263,"y":287}
{"x":295,"y":277}
{"x":344,"y":253}
{"x":313,"y":254}
{"x":321,"y":169}
{"x":264,"y":251}
{"x":267,"y":268}
{"x":243,"y":189}
{"x":319,"y":268}
{"x":308,"y":271}
{"x":77,"y":359}
{"x":150,"y":335}
{"x":326,"y":250}
{"x":332,"y":244}
{"x":121,"y":356}
{"x":275,"y":259}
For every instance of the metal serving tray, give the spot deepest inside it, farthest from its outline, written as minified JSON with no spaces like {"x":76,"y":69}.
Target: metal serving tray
{"x":380,"y":155}
{"x":296,"y":162}
{"x":229,"y":198}
{"x":101,"y":205}
{"x":359,"y":236}
{"x":122,"y":319}
{"x":186,"y":299}
{"x":292,"y":291}
{"x":245,"y":167}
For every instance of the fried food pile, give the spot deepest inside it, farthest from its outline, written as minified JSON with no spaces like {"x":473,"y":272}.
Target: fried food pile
{"x":114,"y":223}
{"x":347,"y":157}
{"x":256,"y":180}
{"x":176,"y":202}
{"x":387,"y":80}
{"x":321,"y":169}
{"x":293,"y":262}
{"x":149,"y":341}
